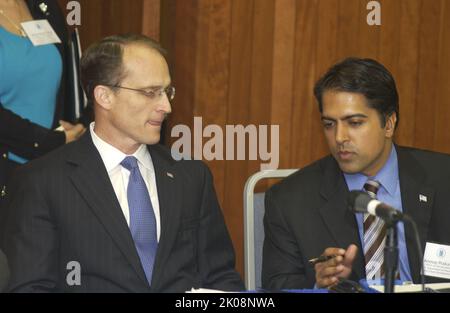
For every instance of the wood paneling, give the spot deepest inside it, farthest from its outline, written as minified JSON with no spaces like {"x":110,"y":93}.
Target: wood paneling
{"x":428,"y":70}
{"x":442,"y":105}
{"x":151,"y":18}
{"x":101,"y":18}
{"x":256,"y":62}
{"x":403,"y":58}
{"x":304,"y":76}
{"x":283,"y":74}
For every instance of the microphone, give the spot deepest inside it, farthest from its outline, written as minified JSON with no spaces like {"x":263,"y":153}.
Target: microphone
{"x":4,"y":272}
{"x":360,"y":202}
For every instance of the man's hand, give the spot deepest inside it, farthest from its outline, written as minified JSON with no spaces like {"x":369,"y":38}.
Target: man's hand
{"x":328,"y":272}
{"x":73,"y":132}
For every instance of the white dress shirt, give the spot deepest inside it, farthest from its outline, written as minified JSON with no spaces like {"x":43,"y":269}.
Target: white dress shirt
{"x":119,"y":175}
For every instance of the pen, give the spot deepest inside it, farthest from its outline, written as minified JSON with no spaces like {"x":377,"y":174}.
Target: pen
{"x":320,"y":259}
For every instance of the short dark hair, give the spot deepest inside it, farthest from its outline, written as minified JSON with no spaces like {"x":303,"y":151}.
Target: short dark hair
{"x":102,"y":62}
{"x":364,"y":76}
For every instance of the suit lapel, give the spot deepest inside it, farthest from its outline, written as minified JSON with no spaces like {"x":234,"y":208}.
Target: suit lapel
{"x":340,"y":221}
{"x":169,"y":187}
{"x":417,"y":202}
{"x":91,"y":180}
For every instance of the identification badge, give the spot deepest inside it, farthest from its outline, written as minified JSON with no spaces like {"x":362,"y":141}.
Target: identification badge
{"x":436,"y":260}
{"x":40,"y":32}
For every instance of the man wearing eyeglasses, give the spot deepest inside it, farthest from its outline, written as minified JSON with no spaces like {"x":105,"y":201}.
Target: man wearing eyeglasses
{"x":114,"y":212}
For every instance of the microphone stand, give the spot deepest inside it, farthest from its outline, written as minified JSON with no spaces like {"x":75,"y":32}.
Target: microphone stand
{"x":390,"y":256}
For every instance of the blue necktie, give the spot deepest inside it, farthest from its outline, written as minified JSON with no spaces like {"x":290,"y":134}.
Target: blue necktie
{"x":142,"y":217}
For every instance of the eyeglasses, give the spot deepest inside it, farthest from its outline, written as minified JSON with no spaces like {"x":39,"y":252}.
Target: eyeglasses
{"x":152,"y":94}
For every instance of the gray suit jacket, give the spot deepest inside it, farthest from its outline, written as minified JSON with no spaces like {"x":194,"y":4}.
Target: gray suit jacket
{"x":308,"y":212}
{"x":63,"y":208}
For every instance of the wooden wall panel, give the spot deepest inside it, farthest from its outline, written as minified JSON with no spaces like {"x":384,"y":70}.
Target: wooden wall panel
{"x":428,"y":69}
{"x":260,"y":103}
{"x":442,"y":104}
{"x":212,"y":63}
{"x":304,"y":75}
{"x":151,"y":18}
{"x":238,"y":113}
{"x":283,"y":73}
{"x":403,"y":60}
{"x":369,"y":36}
{"x":101,"y":18}
{"x":325,"y":55}
{"x":389,"y":32}
{"x":349,"y":25}
{"x":181,"y":35}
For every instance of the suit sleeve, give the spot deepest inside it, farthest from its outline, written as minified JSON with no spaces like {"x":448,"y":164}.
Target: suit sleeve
{"x":25,"y":138}
{"x":215,"y":251}
{"x":282,"y":266}
{"x":30,"y":237}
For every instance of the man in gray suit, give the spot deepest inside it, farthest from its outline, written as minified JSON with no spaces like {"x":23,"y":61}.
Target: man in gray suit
{"x":307,"y":214}
{"x":114,"y":212}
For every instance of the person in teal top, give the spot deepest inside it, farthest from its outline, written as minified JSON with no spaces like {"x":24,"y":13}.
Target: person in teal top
{"x":33,"y":99}
{"x":28,"y":88}
{"x":31,"y":87}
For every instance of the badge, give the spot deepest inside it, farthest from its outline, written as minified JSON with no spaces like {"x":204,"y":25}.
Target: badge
{"x":436,"y":261}
{"x":40,"y":32}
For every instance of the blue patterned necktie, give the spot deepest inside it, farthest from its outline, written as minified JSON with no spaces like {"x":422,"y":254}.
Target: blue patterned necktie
{"x":142,"y":217}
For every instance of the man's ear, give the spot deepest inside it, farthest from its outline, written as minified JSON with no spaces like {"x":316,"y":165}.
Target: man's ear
{"x":391,"y":121}
{"x":103,"y":96}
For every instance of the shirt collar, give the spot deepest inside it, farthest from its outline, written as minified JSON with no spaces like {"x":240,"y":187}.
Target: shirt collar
{"x":112,"y":156}
{"x":387,"y":176}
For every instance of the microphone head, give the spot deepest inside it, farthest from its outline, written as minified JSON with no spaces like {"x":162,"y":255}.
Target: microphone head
{"x":4,"y":272}
{"x":358,"y":201}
